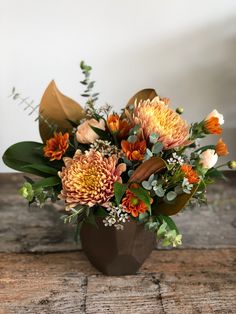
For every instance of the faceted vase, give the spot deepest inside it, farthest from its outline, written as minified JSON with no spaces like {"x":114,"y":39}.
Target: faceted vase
{"x":117,"y":252}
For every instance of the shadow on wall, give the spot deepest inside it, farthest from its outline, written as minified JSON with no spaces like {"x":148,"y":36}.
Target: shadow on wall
{"x":195,"y":69}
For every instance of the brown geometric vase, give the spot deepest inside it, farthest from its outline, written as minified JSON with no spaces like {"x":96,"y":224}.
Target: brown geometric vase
{"x":117,"y":252}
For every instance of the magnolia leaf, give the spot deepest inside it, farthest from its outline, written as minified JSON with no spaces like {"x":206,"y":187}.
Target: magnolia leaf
{"x":43,"y":168}
{"x":46,"y":182}
{"x":143,"y":94}
{"x":172,"y":209}
{"x":55,"y":110}
{"x":23,"y":154}
{"x":148,"y":167}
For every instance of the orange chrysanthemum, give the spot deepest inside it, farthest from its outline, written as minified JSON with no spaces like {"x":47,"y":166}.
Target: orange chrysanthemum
{"x":156,"y":117}
{"x":89,"y":178}
{"x":134,"y":151}
{"x":190,"y":174}
{"x":221,"y":148}
{"x":132,"y":204}
{"x":212,"y":126}
{"x":56,"y":146}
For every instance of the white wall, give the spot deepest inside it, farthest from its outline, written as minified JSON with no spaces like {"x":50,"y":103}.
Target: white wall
{"x":186,"y":49}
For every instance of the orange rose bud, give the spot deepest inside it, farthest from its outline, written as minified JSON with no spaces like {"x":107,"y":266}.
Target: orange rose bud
{"x":189,"y":173}
{"x":212,"y":126}
{"x":56,"y":146}
{"x":134,"y":151}
{"x":221,"y":148}
{"x":113,"y":122}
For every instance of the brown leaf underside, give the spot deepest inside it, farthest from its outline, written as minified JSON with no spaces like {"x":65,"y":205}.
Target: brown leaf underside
{"x":56,"y":108}
{"x":172,"y":209}
{"x":144,"y":94}
{"x":148,"y":167}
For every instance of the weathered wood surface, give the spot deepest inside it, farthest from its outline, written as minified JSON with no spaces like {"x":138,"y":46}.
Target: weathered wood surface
{"x":177,"y":281}
{"x":43,"y":271}
{"x":34,"y":229}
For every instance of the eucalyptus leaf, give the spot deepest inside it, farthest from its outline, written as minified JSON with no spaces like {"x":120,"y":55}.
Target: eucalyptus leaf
{"x":157,"y":148}
{"x":171,"y":196}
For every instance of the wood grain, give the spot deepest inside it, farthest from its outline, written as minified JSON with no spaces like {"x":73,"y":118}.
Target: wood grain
{"x":43,"y":271}
{"x":176,"y":281}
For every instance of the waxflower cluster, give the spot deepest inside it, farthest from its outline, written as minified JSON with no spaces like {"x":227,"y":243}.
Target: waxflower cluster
{"x":143,"y":164}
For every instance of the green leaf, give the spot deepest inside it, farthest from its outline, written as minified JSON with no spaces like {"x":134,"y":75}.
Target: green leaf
{"x":119,"y":191}
{"x":102,"y":134}
{"x":142,"y":195}
{"x":202,"y":149}
{"x":50,"y":181}
{"x":24,"y":154}
{"x":170,"y":222}
{"x":42,"y":168}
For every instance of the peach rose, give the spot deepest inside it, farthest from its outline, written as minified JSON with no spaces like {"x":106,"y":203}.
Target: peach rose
{"x":216,"y":114}
{"x":208,"y":158}
{"x":85,"y":134}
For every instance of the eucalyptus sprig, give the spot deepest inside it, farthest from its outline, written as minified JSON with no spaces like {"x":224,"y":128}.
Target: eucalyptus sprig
{"x":88,"y":93}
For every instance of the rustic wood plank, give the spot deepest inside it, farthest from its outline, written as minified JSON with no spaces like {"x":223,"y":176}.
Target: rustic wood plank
{"x":24,"y":229}
{"x":174,"y":281}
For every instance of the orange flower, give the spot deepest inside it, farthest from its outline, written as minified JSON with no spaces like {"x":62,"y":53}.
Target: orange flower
{"x":212,"y":125}
{"x":88,"y":178}
{"x":132,"y":204}
{"x":113,"y":122}
{"x":190,"y":174}
{"x":124,"y":128}
{"x":155,"y":116}
{"x":56,"y":146}
{"x":134,"y":151}
{"x":221,"y":148}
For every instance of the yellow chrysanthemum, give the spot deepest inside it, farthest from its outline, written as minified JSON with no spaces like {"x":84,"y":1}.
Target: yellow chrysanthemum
{"x":89,"y":178}
{"x":156,"y":117}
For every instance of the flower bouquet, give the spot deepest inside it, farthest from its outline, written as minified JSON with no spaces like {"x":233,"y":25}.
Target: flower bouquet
{"x":121,"y":175}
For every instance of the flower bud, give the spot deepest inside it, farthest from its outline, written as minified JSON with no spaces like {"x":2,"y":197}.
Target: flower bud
{"x":180,"y":110}
{"x":232,"y":164}
{"x":208,"y":158}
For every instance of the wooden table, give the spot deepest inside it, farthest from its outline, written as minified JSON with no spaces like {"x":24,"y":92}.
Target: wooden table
{"x":43,"y":271}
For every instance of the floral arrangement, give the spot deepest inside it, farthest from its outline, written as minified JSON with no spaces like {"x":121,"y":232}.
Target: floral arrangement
{"x":143,"y":164}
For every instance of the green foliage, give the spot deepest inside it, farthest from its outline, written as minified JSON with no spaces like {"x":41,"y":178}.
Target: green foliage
{"x":157,"y":148}
{"x":88,"y":93}
{"x":47,"y":182}
{"x":27,"y":157}
{"x":102,"y":134}
{"x":119,"y":191}
{"x":26,"y":191}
